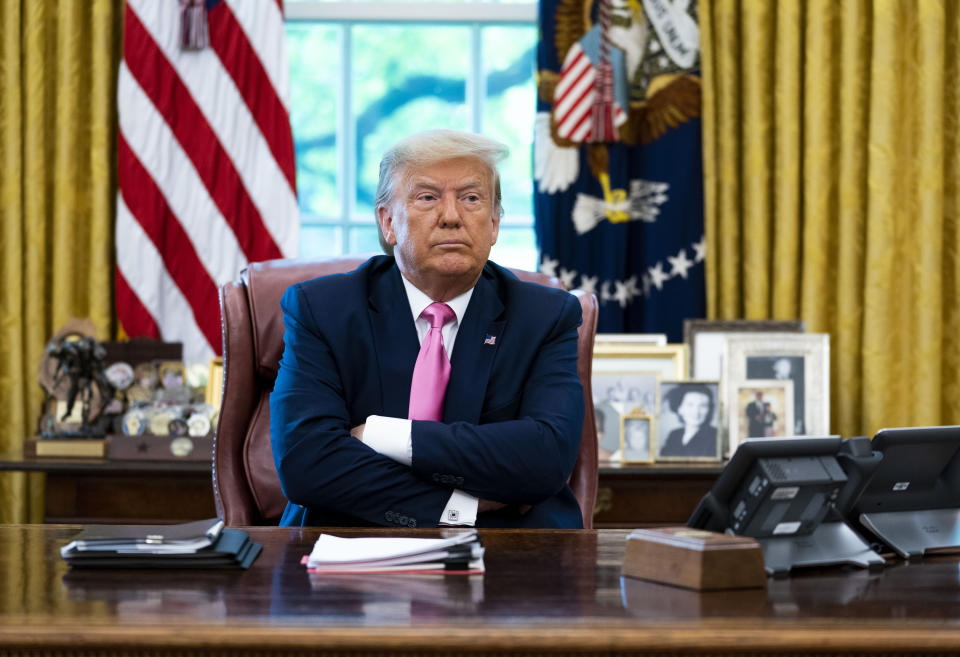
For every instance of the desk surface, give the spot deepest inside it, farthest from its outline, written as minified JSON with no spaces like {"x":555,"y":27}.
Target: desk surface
{"x":557,"y":592}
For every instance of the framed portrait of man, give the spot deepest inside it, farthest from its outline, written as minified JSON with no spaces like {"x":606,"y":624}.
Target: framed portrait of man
{"x":803,"y":359}
{"x":688,"y":425}
{"x":705,"y":339}
{"x":763,"y":409}
{"x":636,"y":439}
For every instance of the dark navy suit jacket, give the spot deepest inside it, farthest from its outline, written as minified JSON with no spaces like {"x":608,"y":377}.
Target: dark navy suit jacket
{"x":512,"y":418}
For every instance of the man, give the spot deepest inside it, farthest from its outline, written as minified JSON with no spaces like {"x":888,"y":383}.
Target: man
{"x":488,"y":437}
{"x":756,"y":428}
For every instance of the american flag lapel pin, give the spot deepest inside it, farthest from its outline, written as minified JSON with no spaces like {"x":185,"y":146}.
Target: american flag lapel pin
{"x":490,"y":339}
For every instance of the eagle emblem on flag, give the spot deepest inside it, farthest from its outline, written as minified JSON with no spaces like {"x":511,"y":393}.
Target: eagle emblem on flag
{"x":624,"y":78}
{"x":618,"y":158}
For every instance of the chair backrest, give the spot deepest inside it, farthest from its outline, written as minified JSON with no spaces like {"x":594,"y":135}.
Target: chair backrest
{"x":245,"y":483}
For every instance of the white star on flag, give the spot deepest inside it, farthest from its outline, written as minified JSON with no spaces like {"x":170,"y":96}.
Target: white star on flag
{"x":566,"y":277}
{"x":622,"y":295}
{"x":589,"y":284}
{"x":605,"y":292}
{"x":700,"y":250}
{"x":679,"y":264}
{"x":632,"y":287}
{"x":658,"y":276}
{"x":548,"y":266}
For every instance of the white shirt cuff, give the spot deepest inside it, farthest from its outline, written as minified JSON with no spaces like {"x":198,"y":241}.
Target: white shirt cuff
{"x":389,"y":436}
{"x":461,"y":509}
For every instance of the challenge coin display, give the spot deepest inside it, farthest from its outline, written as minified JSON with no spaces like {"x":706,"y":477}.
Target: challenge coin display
{"x":120,"y":375}
{"x":134,"y":422}
{"x":160,"y":423}
{"x":198,"y":425}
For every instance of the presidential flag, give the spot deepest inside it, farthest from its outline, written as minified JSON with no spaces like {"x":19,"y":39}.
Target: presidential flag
{"x":617,"y":159}
{"x":206,"y":161}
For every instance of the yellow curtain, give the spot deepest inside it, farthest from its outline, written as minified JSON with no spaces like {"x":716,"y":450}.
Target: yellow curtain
{"x":831,"y":166}
{"x":58,"y":71}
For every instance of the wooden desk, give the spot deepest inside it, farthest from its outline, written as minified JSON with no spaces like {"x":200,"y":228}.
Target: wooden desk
{"x":81,"y":490}
{"x":646,"y":495}
{"x":101,"y":491}
{"x":545,"y":592}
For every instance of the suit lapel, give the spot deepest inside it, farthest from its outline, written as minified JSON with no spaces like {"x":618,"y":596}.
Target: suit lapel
{"x":394,"y":341}
{"x":472,"y":358}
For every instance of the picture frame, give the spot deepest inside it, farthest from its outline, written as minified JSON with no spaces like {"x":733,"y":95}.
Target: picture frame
{"x":615,"y":394}
{"x":704,"y":339}
{"x":762,"y":408}
{"x":695,"y":404}
{"x":637,"y":438}
{"x":649,"y":339}
{"x":803,"y":358}
{"x":670,"y":360}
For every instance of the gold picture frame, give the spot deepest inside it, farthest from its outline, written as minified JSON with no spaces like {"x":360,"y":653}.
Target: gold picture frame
{"x":637,"y":438}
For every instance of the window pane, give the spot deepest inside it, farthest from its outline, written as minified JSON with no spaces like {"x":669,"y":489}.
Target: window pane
{"x":509,"y":55}
{"x":320,"y":241}
{"x":401,"y":86}
{"x":363,"y":239}
{"x":313,"y":53}
{"x":515,"y":247}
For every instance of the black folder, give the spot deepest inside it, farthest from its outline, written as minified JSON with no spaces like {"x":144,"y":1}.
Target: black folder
{"x":200,"y":544}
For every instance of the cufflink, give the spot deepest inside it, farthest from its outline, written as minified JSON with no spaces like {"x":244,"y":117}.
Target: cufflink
{"x":453,"y":515}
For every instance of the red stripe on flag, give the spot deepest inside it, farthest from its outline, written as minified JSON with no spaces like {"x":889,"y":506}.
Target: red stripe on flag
{"x":150,"y":209}
{"x":134,"y":318}
{"x":575,"y":106}
{"x":586,"y":117}
{"x":240,"y":60}
{"x":172,"y":99}
{"x":573,"y":62}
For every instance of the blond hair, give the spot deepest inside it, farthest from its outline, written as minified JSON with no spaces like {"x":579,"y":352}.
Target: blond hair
{"x":429,"y":147}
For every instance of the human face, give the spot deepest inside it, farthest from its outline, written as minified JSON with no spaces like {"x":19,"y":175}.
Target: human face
{"x":637,"y":436}
{"x":781,"y":369}
{"x":441,"y":224}
{"x":694,"y":408}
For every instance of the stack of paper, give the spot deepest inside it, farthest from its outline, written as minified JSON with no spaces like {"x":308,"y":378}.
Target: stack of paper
{"x":460,"y":553}
{"x":199,"y":544}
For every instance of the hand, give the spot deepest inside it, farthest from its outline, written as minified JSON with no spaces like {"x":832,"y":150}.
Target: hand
{"x":488,"y":505}
{"x":357,"y":432}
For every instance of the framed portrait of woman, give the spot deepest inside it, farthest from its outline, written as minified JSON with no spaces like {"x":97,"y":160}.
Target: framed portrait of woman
{"x":688,"y":426}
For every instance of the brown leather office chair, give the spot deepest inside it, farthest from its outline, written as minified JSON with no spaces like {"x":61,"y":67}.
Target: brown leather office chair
{"x":245,"y":483}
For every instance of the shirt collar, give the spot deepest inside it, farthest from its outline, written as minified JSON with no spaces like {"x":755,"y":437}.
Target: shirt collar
{"x":418,"y":300}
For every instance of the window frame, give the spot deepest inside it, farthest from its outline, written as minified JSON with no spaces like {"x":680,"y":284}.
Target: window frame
{"x":474,"y":15}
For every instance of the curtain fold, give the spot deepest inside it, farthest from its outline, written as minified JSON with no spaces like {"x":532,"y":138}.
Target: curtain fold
{"x":830,"y":164}
{"x":58,"y":73}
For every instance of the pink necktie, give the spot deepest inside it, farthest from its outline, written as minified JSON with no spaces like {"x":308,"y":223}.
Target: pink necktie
{"x":432,"y":371}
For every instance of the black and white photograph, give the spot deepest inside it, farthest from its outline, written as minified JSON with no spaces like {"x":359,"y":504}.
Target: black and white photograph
{"x":635,"y":437}
{"x":782,"y":368}
{"x":688,"y":423}
{"x":616,"y":394}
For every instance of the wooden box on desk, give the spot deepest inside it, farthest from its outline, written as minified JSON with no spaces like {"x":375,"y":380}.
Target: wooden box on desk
{"x":695,"y":559}
{"x":147,"y":447}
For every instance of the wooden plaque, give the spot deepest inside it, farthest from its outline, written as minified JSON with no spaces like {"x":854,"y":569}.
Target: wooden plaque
{"x":694,"y":559}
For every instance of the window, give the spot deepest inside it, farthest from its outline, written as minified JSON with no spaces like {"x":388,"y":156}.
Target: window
{"x":365,"y":74}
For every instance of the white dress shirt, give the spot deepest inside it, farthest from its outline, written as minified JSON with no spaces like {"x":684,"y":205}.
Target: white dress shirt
{"x":390,"y":436}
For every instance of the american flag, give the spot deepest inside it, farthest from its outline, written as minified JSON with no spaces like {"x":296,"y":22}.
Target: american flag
{"x":206,"y":162}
